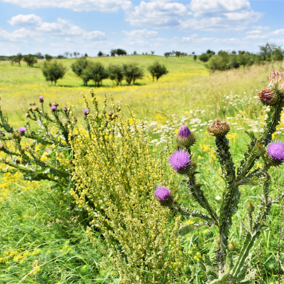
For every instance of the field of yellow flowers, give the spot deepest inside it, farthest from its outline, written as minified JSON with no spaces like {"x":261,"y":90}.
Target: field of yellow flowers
{"x":44,"y":241}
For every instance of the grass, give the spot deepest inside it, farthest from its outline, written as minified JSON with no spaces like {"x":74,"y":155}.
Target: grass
{"x":37,"y":226}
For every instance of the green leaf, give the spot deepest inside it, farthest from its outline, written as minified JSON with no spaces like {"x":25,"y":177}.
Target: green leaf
{"x":190,"y":228}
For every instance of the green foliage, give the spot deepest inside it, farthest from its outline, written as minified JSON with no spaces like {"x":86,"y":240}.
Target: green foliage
{"x":48,"y":57}
{"x":78,"y":67}
{"x":157,"y":70}
{"x":96,"y":72}
{"x":132,"y":72}
{"x":17,"y":59}
{"x":53,"y":71}
{"x":43,"y":152}
{"x":116,"y":73}
{"x":204,"y":57}
{"x":30,"y":59}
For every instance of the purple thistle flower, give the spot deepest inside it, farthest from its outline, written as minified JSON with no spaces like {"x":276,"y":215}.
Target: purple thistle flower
{"x":41,"y":99}
{"x":180,"y":160}
{"x":22,"y":130}
{"x":86,"y":111}
{"x":162,"y":193}
{"x":53,"y":108}
{"x":184,"y":131}
{"x":276,"y":151}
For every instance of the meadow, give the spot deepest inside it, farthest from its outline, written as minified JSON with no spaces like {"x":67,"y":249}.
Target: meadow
{"x":43,"y":241}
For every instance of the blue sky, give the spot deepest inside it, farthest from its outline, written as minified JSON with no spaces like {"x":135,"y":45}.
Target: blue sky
{"x":88,"y":26}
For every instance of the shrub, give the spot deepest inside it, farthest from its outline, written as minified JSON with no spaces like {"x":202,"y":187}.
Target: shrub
{"x":120,"y":51}
{"x":17,"y":59}
{"x":132,"y":72}
{"x":30,"y":59}
{"x":115,"y":73}
{"x":48,"y":57}
{"x":53,"y":71}
{"x":115,"y":177}
{"x":78,"y":67}
{"x":96,"y":72}
{"x":204,"y":57}
{"x":157,"y":70}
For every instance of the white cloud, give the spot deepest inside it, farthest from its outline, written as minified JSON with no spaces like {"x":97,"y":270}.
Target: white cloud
{"x":139,"y":34}
{"x":220,"y":15}
{"x":256,"y":36}
{"x":76,"y":5}
{"x":38,"y":29}
{"x":265,"y":28}
{"x":25,"y":20}
{"x":157,"y":14}
{"x":278,"y":32}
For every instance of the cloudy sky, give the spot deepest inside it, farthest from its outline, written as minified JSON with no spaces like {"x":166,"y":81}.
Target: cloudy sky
{"x":88,"y":26}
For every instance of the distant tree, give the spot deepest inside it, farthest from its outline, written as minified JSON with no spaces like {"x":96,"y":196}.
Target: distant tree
{"x":60,"y":56}
{"x":194,"y":57}
{"x":167,"y":54}
{"x":242,"y":52}
{"x":100,"y":54}
{"x":277,"y":55}
{"x":134,"y":53}
{"x":132,"y":72}
{"x":96,"y":72}
{"x":47,"y":57}
{"x":113,"y":52}
{"x":152,"y":52}
{"x":173,"y":53}
{"x":267,"y":49}
{"x":204,"y":57}
{"x":234,"y":52}
{"x":178,"y":53}
{"x":120,"y":52}
{"x":157,"y":70}
{"x":17,"y":59}
{"x":39,"y":55}
{"x":53,"y":71}
{"x":79,"y":66}
{"x":86,"y":55}
{"x":30,"y":59}
{"x":66,"y":54}
{"x":193,"y":53}
{"x":116,"y":73}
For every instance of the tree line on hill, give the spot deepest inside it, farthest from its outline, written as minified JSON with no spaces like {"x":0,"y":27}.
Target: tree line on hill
{"x":224,"y":60}
{"x":97,"y":72}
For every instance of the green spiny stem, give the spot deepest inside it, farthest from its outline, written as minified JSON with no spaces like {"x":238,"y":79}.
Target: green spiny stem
{"x":200,"y":198}
{"x":225,"y":158}
{"x":250,"y":220}
{"x":189,"y":212}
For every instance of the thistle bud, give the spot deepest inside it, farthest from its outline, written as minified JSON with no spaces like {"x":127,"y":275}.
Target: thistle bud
{"x":185,"y":137}
{"x":275,"y":151}
{"x":260,"y":149}
{"x":16,"y":135}
{"x":17,"y":161}
{"x":267,"y":97}
{"x":30,"y":108}
{"x":22,"y":130}
{"x":27,"y":115}
{"x":35,"y":108}
{"x":180,"y":161}
{"x":164,"y":196}
{"x":2,"y":146}
{"x":218,"y":128}
{"x":250,"y":207}
{"x":55,"y":104}
{"x":231,"y":246}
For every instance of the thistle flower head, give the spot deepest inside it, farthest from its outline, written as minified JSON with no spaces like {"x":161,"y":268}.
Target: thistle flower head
{"x":184,"y":131}
{"x":180,"y":161}
{"x":65,"y":108}
{"x":185,"y":137}
{"x":53,"y":108}
{"x":219,"y":128}
{"x":275,"y":151}
{"x":276,"y":75}
{"x":41,"y":99}
{"x":163,"y":195}
{"x":22,"y":130}
{"x":267,"y":96}
{"x":86,"y":111}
